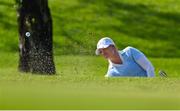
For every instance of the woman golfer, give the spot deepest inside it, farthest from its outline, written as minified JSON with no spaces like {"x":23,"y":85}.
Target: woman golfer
{"x":129,"y":62}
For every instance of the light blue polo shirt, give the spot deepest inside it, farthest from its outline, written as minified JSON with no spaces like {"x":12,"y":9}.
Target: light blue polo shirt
{"x":129,"y":66}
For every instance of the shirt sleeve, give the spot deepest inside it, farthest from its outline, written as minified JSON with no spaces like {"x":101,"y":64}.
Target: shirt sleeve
{"x":142,"y":60}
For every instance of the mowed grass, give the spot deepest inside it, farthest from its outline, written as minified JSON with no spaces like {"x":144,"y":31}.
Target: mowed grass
{"x":148,"y":25}
{"x":151,"y":26}
{"x":80,"y":84}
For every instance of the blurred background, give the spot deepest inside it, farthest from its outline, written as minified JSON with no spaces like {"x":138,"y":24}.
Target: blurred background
{"x":151,"y":26}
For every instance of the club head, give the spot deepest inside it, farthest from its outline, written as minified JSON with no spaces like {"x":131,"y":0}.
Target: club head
{"x":162,"y":73}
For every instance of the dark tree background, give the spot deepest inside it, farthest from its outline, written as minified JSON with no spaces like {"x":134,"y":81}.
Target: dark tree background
{"x":35,"y":37}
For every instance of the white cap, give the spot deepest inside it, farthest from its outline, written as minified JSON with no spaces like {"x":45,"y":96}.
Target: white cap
{"x":104,"y":43}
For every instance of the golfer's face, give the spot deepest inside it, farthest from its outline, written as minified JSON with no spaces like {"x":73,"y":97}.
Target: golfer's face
{"x":106,"y":52}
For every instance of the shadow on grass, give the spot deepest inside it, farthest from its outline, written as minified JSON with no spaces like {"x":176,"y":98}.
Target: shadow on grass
{"x":4,"y":22}
{"x":8,"y":23}
{"x":4,"y":17}
{"x":145,"y":22}
{"x":5,"y":3}
{"x":138,"y":21}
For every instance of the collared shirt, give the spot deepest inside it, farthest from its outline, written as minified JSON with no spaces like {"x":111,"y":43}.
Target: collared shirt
{"x":134,"y":64}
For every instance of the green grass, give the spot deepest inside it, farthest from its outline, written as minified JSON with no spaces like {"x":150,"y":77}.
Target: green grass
{"x":80,"y":84}
{"x":149,"y":25}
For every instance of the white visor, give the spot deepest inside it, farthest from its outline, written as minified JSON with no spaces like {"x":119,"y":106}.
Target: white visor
{"x":103,"y":43}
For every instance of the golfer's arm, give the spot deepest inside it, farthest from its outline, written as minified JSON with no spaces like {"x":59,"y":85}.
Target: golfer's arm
{"x":141,"y":59}
{"x":146,"y":65}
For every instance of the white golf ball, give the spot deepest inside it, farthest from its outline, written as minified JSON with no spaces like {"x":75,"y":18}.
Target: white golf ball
{"x":28,"y":34}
